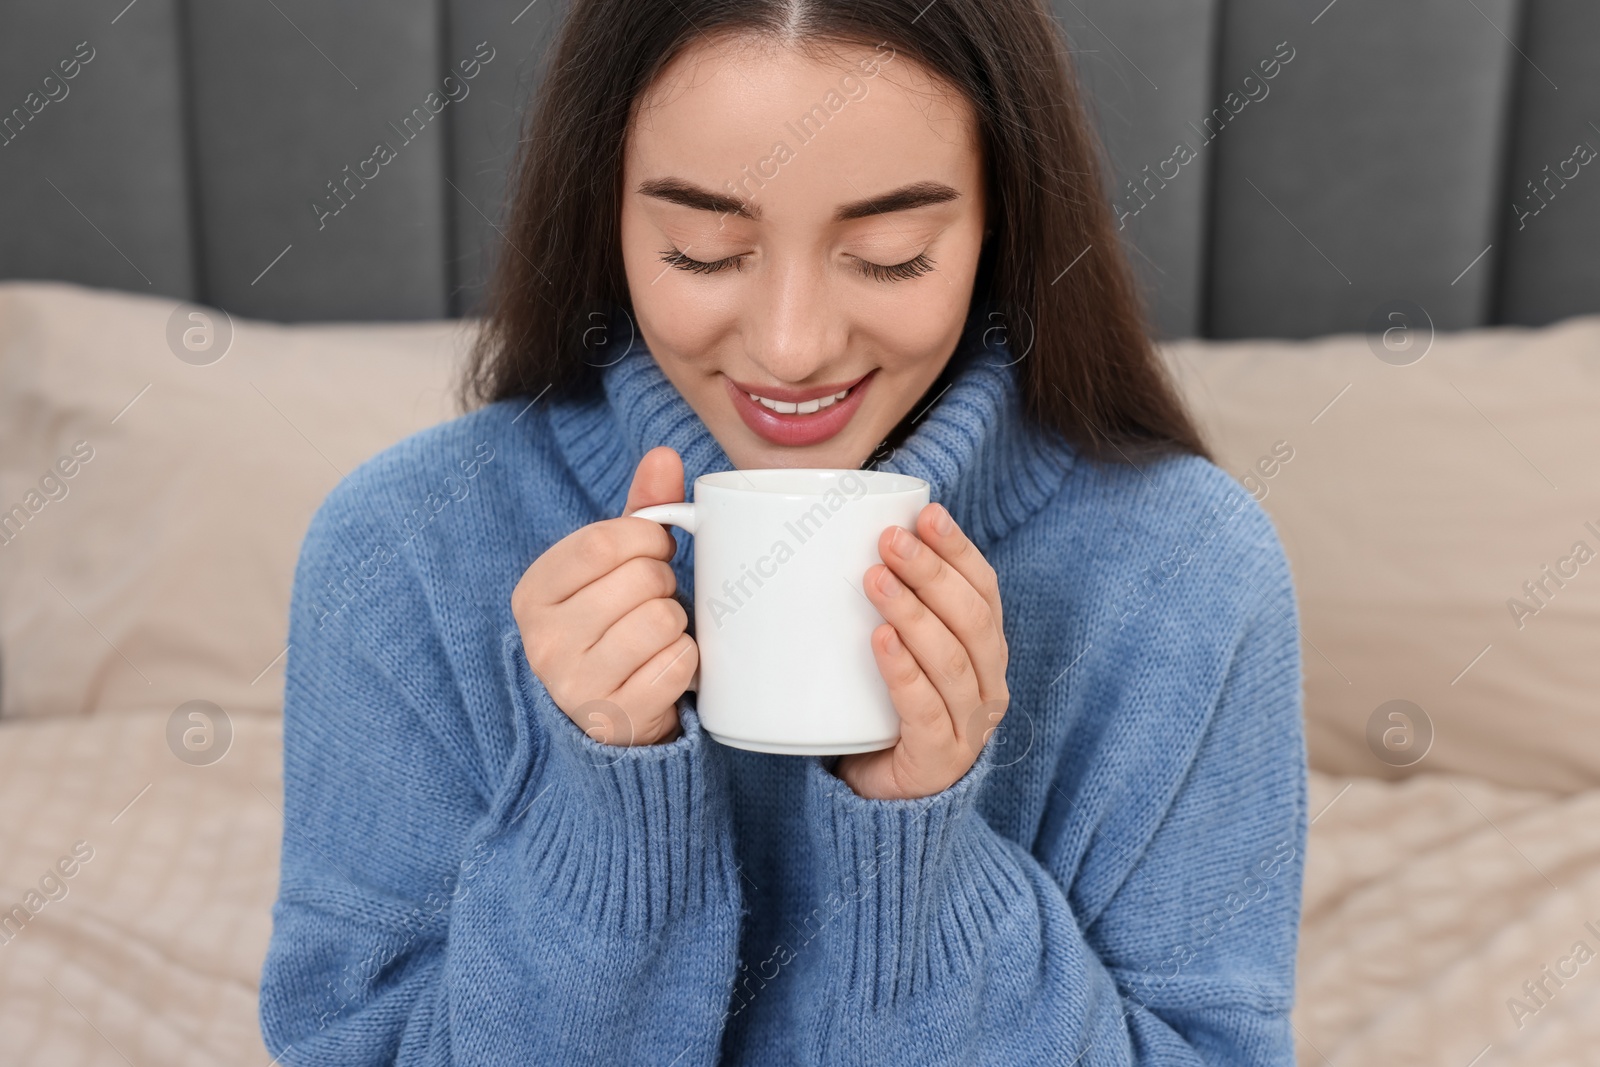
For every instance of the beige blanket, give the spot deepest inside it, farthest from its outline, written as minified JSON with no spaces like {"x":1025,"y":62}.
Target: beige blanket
{"x":1428,"y":905}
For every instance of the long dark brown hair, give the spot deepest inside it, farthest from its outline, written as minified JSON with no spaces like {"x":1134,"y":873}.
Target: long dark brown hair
{"x":1051,"y":272}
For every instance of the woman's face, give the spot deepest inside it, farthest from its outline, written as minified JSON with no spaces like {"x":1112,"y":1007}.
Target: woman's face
{"x":795,"y":228}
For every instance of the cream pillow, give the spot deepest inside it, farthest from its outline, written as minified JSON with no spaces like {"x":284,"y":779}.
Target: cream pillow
{"x":1419,"y":504}
{"x":1442,"y":519}
{"x":152,"y":507}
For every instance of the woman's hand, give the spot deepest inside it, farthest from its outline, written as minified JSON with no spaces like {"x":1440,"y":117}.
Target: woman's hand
{"x":942,"y":652}
{"x":599,"y":622}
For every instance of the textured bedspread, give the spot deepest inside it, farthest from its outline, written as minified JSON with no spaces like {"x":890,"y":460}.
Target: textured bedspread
{"x":1445,"y":918}
{"x":1428,"y":906}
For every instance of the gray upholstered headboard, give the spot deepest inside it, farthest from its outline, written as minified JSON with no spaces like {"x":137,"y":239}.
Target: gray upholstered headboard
{"x":1430,"y":150}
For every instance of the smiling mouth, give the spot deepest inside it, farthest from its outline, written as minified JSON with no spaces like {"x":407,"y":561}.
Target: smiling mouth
{"x":795,"y":418}
{"x":803,"y":407}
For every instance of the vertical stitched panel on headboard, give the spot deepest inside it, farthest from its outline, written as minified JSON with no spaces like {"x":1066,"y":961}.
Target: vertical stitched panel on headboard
{"x":1369,"y":174}
{"x":93,"y":186}
{"x":1550,"y":210}
{"x":1146,"y":72}
{"x":321,"y":143}
{"x":487,"y":127}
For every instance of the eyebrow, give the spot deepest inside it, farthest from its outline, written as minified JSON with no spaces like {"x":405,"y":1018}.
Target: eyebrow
{"x":687,"y":194}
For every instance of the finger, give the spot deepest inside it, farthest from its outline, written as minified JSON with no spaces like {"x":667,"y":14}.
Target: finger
{"x":585,"y":616}
{"x":657,"y":480}
{"x":975,"y":725}
{"x":924,"y":720}
{"x":949,"y":595}
{"x":656,"y":686}
{"x":592,"y":551}
{"x":942,"y":657}
{"x":957,"y":549}
{"x":631,"y":641}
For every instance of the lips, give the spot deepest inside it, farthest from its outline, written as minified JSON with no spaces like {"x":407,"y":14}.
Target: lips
{"x":797,"y":429}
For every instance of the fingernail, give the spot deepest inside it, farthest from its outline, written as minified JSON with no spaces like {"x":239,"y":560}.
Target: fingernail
{"x":889,"y":584}
{"x":941,"y":520}
{"x":892,"y":643}
{"x":905,"y":542}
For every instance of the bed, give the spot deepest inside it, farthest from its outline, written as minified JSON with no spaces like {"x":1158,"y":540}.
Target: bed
{"x":1452,"y":902}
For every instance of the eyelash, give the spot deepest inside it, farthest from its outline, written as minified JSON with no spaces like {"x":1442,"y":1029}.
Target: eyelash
{"x":914,"y":267}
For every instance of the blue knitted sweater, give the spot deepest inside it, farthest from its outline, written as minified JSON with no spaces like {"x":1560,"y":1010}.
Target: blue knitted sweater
{"x":468,"y":878}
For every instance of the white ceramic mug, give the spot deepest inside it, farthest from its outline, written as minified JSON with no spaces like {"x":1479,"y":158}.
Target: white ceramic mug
{"x":783,"y":623}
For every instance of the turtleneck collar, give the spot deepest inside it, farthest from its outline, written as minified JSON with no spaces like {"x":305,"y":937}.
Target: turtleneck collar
{"x":972,"y":443}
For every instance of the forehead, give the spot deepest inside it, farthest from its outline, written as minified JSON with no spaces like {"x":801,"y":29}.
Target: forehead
{"x":843,"y":114}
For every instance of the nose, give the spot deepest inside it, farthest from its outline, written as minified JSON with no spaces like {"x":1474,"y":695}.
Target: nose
{"x":792,"y":329}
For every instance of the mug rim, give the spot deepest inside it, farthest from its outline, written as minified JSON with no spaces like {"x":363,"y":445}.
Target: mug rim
{"x":719,"y":480}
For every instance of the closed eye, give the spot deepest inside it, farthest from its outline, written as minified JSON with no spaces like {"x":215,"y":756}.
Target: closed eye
{"x":915,"y":266}
{"x":918,"y":264}
{"x":675,"y":258}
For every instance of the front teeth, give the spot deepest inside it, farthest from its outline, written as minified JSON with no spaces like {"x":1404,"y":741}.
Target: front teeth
{"x":805,"y":407}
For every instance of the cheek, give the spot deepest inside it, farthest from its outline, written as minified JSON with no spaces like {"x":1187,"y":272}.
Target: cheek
{"x":910,"y":320}
{"x":929,"y":317}
{"x":678,"y":321}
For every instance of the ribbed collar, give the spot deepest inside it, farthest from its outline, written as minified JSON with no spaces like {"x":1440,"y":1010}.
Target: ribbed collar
{"x":981,"y":458}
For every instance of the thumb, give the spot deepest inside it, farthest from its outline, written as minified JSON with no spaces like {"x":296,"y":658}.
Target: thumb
{"x":657,"y":480}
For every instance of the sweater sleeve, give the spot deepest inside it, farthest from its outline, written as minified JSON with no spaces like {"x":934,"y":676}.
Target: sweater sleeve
{"x":575,"y":903}
{"x":946,"y":942}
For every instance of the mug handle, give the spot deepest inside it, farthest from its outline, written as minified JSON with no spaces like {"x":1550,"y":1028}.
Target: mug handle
{"x":682,"y":515}
{"x":670,"y":514}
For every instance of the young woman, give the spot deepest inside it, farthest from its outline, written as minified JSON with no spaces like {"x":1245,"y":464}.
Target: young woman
{"x":813,"y":233}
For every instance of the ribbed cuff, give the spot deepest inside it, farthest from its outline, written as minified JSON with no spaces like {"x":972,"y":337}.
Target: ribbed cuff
{"x":629,"y":837}
{"x":917,"y":885}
